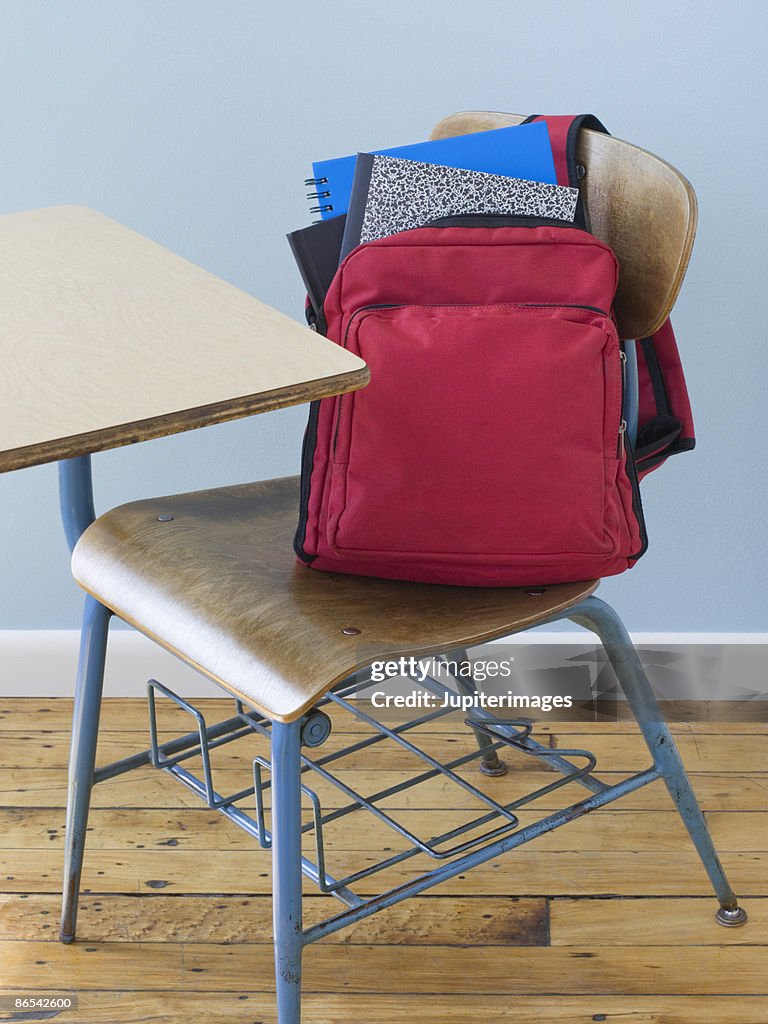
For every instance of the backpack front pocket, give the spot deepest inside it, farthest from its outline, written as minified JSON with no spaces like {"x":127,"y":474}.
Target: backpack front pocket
{"x":488,"y":431}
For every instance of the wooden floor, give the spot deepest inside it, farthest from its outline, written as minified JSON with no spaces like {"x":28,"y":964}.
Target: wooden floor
{"x":608,"y":919}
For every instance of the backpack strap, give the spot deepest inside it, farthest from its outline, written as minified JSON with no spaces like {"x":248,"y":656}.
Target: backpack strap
{"x":563,"y":132}
{"x":665,"y":423}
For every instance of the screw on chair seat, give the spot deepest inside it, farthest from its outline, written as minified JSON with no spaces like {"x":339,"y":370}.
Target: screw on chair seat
{"x":215,"y":572}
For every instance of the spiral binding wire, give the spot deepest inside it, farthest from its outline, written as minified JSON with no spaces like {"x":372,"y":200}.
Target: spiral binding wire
{"x":324,"y":208}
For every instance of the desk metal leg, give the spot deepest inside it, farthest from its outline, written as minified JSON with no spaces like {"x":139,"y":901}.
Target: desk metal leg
{"x":286,"y":869}
{"x":77,"y":514}
{"x":82,"y":759}
{"x":76,"y":497}
{"x":600,"y":618}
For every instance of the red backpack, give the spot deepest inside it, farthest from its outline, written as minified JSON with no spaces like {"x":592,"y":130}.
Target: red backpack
{"x":490,"y":447}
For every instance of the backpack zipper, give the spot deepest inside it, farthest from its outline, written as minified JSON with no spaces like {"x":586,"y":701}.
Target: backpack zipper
{"x":499,"y":220}
{"x":450,"y":305}
{"x":469,"y":305}
{"x":637,"y":502}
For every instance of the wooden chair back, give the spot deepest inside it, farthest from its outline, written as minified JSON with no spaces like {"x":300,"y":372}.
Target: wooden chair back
{"x":640,"y":205}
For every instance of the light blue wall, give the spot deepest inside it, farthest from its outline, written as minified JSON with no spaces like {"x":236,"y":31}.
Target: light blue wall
{"x":194,"y":122}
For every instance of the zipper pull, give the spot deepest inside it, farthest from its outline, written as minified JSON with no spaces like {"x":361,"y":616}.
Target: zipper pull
{"x":622,"y":432}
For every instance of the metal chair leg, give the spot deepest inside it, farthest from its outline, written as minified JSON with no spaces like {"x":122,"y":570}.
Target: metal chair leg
{"x":82,"y":758}
{"x":286,"y":869}
{"x":490,"y":762}
{"x":600,"y":618}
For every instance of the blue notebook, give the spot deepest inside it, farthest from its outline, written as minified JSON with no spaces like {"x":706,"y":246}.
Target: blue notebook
{"x":520,"y":151}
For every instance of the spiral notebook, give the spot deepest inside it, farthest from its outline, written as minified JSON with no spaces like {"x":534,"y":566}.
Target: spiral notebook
{"x":391,"y":195}
{"x":520,"y":151}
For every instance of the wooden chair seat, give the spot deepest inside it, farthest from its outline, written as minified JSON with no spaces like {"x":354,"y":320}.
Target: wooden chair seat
{"x":218,"y":586}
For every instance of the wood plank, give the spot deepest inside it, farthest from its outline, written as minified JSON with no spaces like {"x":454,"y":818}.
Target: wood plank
{"x":201,"y":967}
{"x":118,"y":714}
{"x":130,"y":714}
{"x":426,"y":920}
{"x":616,"y":753}
{"x":151,"y":788}
{"x":201,"y":829}
{"x":33,"y":750}
{"x":525,"y":872}
{"x":245,"y":1005}
{"x":675,"y":922}
{"x":628,"y":727}
{"x":700,"y":752}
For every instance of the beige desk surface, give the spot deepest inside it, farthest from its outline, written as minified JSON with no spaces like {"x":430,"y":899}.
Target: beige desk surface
{"x":107,"y":338}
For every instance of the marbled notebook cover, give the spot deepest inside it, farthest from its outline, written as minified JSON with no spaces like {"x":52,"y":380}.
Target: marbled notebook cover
{"x":394,"y":195}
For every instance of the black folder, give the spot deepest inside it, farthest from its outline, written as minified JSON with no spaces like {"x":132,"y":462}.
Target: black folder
{"x":316,"y":251}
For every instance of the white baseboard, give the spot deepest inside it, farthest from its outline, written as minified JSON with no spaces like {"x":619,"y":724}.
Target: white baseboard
{"x":42,"y":663}
{"x":545,"y":636}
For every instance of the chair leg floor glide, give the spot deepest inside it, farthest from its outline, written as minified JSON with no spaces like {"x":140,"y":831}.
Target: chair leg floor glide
{"x":496,"y":828}
{"x":490,"y":762}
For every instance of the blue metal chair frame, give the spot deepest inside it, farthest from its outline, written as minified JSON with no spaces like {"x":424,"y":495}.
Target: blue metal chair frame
{"x":288,"y":765}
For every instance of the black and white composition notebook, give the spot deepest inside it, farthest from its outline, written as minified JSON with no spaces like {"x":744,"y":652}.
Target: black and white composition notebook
{"x":390,"y":195}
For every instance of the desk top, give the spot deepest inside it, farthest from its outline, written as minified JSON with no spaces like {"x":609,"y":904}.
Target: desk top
{"x":107,"y":338}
